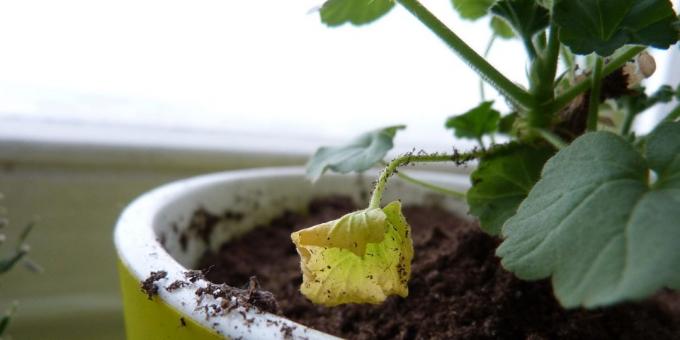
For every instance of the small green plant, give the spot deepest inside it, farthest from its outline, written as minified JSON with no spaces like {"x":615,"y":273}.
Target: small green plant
{"x":575,"y":195}
{"x":10,"y":260}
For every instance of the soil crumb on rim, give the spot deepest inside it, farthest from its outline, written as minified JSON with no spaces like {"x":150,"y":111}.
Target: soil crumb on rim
{"x":458,"y":290}
{"x":149,"y":287}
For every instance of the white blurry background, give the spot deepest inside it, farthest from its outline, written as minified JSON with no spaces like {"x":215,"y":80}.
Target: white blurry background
{"x":263,"y":74}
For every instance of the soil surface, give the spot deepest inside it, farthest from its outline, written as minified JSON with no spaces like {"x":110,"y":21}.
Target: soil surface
{"x":458,"y":290}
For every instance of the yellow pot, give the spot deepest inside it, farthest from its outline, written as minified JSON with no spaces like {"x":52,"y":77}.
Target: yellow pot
{"x":260,"y":195}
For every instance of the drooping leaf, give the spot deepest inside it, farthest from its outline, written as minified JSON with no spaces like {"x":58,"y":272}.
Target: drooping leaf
{"x":472,"y":9}
{"x":501,"y":28}
{"x":596,"y":225}
{"x":334,"y":269}
{"x":475,"y":123}
{"x":358,"y":155}
{"x":602,"y":26}
{"x":526,"y":17}
{"x":502,"y":181}
{"x":356,"y":12}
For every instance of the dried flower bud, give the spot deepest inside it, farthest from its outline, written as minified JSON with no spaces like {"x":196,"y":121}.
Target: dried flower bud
{"x":646,"y":64}
{"x":643,"y":67}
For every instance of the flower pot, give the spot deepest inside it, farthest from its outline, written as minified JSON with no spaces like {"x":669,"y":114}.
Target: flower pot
{"x":151,"y":236}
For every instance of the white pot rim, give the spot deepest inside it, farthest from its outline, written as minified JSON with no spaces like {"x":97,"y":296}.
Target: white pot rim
{"x":141,"y":253}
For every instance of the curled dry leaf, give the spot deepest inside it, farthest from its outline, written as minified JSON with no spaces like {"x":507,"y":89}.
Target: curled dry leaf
{"x":363,"y":257}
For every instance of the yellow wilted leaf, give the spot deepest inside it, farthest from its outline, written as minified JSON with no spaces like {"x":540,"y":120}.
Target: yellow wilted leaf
{"x":363,"y":257}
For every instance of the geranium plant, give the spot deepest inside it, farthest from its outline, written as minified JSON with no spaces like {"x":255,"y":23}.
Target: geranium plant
{"x":575,"y":195}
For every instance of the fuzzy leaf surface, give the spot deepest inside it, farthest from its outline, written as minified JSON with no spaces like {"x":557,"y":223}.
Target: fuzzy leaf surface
{"x":335,"y":271}
{"x":596,"y":225}
{"x":502,"y":181}
{"x":356,"y":12}
{"x":527,"y":17}
{"x":602,"y":26}
{"x":475,"y":123}
{"x":358,"y":155}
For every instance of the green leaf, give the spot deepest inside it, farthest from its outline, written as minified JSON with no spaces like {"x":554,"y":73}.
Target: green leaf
{"x":602,"y":26}
{"x":472,"y":9}
{"x":356,"y":12}
{"x":502,"y":181}
{"x":507,"y":123}
{"x":596,"y":225}
{"x":475,"y":123}
{"x":8,"y":263}
{"x":334,"y":269}
{"x":527,"y":17}
{"x":358,"y":155}
{"x":501,"y":28}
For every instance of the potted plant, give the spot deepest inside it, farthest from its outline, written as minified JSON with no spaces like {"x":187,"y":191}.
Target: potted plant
{"x":574,"y":198}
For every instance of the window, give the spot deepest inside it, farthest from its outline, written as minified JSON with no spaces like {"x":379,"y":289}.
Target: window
{"x":127,"y":70}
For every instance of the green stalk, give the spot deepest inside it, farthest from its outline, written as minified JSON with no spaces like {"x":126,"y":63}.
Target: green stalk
{"x":569,"y":61}
{"x":530,"y":48}
{"x":552,"y":138}
{"x":595,"y":89}
{"x":376,"y":197}
{"x":490,"y":74}
{"x":544,"y":70}
{"x":629,"y":116}
{"x":617,"y":61}
{"x":429,"y":186}
{"x":673,"y":115}
{"x":551,"y":58}
{"x":486,"y":54}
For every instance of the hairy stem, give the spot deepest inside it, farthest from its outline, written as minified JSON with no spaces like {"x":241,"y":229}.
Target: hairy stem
{"x":595,"y":89}
{"x":617,"y":61}
{"x":487,"y":50}
{"x":376,"y":197}
{"x":489,"y":73}
{"x":428,"y":185}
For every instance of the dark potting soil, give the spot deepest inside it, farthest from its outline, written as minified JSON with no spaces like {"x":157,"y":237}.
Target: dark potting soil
{"x":458,"y":290}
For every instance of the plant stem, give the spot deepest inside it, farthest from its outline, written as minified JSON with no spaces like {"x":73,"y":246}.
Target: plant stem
{"x":552,"y":138}
{"x":673,"y":115}
{"x":530,"y":48}
{"x":376,"y":197}
{"x":428,"y":185}
{"x":490,"y":74}
{"x":617,"y":61}
{"x":569,"y":61}
{"x":480,"y":142}
{"x":551,"y":57}
{"x":595,"y":89}
{"x":629,"y":116}
{"x":544,"y":69}
{"x":486,"y":54}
